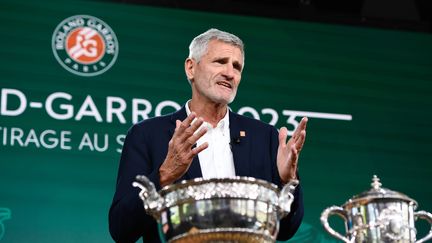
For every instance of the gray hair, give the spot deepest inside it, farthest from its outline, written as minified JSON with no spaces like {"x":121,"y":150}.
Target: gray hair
{"x":199,"y":44}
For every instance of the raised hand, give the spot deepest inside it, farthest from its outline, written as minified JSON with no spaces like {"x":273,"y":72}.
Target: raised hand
{"x":288,"y":152}
{"x":181,"y":150}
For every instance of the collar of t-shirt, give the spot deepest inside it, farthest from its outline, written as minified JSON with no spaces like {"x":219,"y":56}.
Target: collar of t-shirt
{"x":216,"y":160}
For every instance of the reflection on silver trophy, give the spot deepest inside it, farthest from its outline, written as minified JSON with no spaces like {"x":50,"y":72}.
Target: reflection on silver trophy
{"x":239,"y":209}
{"x":378,"y":215}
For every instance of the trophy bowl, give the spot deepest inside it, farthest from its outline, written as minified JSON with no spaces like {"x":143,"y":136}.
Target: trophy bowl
{"x":238,"y":209}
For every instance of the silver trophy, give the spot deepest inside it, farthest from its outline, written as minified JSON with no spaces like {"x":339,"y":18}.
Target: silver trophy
{"x":378,"y":215}
{"x":239,"y":209}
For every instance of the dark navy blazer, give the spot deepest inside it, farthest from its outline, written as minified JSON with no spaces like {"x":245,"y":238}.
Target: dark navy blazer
{"x":145,"y":149}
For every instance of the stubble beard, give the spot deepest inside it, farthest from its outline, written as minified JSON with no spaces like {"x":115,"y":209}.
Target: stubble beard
{"x":221,"y":98}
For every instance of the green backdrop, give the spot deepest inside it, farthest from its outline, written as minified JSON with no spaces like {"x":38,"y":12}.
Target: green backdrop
{"x":367,"y":93}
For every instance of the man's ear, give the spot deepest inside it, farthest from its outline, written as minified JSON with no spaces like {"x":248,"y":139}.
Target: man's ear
{"x":189,"y":68}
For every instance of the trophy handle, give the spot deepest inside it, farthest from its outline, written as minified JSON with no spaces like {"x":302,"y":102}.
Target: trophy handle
{"x":153,"y":202}
{"x":428,"y":217}
{"x":324,"y":221}
{"x":286,"y":198}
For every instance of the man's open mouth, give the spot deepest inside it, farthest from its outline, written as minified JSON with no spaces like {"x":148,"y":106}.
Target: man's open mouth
{"x":225,"y":84}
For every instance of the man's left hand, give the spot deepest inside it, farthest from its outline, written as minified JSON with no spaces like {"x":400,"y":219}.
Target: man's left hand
{"x":288,"y":152}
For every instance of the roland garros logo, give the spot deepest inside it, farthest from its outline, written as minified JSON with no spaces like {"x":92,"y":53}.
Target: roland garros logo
{"x":85,"y":45}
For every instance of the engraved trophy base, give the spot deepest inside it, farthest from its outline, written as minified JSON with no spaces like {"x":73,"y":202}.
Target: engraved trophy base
{"x":223,"y":236}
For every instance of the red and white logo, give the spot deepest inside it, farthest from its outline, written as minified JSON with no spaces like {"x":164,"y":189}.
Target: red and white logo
{"x":85,"y":45}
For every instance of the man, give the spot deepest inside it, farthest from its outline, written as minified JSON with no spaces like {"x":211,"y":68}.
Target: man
{"x":204,"y":139}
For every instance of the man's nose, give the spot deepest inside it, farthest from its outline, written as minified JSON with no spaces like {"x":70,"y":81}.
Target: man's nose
{"x":228,"y":71}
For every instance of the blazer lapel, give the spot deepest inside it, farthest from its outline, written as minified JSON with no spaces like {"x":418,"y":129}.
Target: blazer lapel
{"x":194,"y":170}
{"x":240,"y":145}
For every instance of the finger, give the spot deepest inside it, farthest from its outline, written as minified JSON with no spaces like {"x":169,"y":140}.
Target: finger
{"x":177,"y":127}
{"x":198,"y":149}
{"x":303,"y":123}
{"x":294,"y":163}
{"x":283,"y":133}
{"x":174,"y":138}
{"x":191,"y":141}
{"x":300,"y":127}
{"x":186,"y":122}
{"x":300,"y":141}
{"x":200,"y":133}
{"x":196,"y":124}
{"x":190,"y":131}
{"x":182,"y":127}
{"x":294,"y":157}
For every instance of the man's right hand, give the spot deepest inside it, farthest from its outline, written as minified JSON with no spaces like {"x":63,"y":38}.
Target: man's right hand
{"x":181,"y":150}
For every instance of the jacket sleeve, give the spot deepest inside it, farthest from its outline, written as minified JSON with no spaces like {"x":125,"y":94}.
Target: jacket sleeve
{"x":127,"y":218}
{"x":290,"y":223}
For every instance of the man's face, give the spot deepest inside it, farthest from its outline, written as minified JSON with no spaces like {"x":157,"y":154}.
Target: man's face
{"x":216,"y":76}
